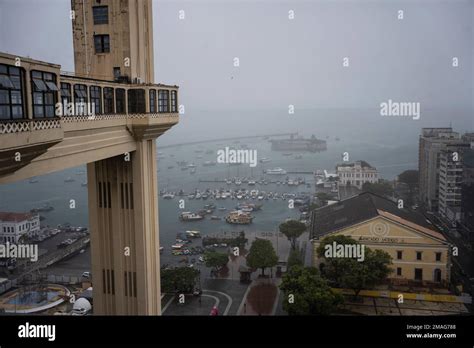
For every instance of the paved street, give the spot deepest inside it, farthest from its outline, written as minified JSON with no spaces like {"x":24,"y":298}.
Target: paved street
{"x":226,"y":294}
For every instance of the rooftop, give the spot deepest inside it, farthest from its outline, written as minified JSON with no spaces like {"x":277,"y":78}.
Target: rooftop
{"x":363,"y":207}
{"x":363,"y":164}
{"x":15,"y":217}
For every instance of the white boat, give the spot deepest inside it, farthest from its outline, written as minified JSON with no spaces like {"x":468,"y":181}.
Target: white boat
{"x":193,"y":234}
{"x":276,"y":171}
{"x":188,"y":216}
{"x":260,"y":198}
{"x":228,"y":182}
{"x":176,"y":246}
{"x":265,"y":160}
{"x":168,"y":195}
{"x":251,"y":182}
{"x":238,"y":182}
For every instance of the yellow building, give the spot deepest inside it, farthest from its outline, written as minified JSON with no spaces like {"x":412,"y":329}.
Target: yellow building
{"x":420,"y":254}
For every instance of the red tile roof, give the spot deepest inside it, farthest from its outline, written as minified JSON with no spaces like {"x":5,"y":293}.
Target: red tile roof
{"x":15,"y":217}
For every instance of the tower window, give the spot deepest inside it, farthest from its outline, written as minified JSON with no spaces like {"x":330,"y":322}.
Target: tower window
{"x":102,"y":43}
{"x":152,"y":100}
{"x":117,"y":72}
{"x":120,"y":100}
{"x":44,"y":93}
{"x":101,"y":14}
{"x":136,"y":101}
{"x":95,"y":98}
{"x":163,"y":96}
{"x":66,"y":93}
{"x":108,"y":100}
{"x":11,"y":92}
{"x":174,"y":101}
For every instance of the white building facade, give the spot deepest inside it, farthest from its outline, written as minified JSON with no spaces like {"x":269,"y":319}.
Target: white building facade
{"x":356,"y":174}
{"x":14,"y":226}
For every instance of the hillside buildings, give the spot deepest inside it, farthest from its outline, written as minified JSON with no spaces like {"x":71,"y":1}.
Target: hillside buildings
{"x":356,"y":174}
{"x":15,"y":226}
{"x":420,"y":254}
{"x":441,"y":168}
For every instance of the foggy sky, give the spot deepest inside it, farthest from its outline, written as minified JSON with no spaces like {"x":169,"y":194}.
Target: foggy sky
{"x":284,"y":61}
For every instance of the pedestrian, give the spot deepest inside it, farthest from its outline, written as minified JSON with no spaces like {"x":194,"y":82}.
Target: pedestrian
{"x":214,"y":311}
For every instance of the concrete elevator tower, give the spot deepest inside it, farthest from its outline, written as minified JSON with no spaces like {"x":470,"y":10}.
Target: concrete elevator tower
{"x":113,"y":40}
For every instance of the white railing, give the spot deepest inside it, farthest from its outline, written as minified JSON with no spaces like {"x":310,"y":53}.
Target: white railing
{"x":20,"y":126}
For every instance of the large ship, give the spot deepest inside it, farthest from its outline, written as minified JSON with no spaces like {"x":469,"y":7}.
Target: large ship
{"x":275,"y":171}
{"x":239,"y":217}
{"x":300,"y":143}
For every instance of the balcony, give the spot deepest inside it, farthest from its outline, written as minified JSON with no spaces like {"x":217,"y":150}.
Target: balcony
{"x":55,"y":121}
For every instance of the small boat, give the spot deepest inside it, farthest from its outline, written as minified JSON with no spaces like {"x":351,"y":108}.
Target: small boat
{"x":84,"y":183}
{"x":228,"y":182}
{"x":222,"y":208}
{"x":251,"y":182}
{"x":168,"y":195}
{"x":238,"y":182}
{"x":193,"y":234}
{"x":33,"y":181}
{"x":188,"y":216}
{"x":69,"y":179}
{"x":177,"y":246}
{"x":265,"y":160}
{"x":239,"y":217}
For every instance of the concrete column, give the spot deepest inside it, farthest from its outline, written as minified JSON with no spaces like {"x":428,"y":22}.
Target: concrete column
{"x":123,"y":219}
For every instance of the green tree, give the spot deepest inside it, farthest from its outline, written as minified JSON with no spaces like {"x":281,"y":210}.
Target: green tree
{"x":308,"y":293}
{"x":216,"y":260}
{"x":262,"y":255}
{"x":368,"y":273}
{"x":410,"y":178}
{"x":349,"y":272}
{"x":178,"y":280}
{"x":381,"y":188}
{"x":294,"y":259}
{"x":292,"y":229}
{"x":239,"y":241}
{"x":323,"y":196}
{"x":336,"y":267}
